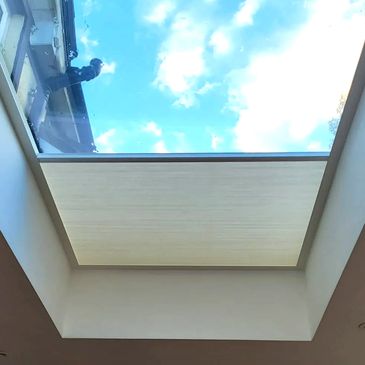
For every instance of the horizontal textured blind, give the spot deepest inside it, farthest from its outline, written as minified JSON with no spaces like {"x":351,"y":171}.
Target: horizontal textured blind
{"x":186,"y":214}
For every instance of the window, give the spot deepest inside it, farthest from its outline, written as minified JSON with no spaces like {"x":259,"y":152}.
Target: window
{"x":3,"y":19}
{"x":187,"y":77}
{"x":206,"y":81}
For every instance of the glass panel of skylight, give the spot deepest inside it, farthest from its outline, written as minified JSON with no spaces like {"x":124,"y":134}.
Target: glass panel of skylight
{"x":174,"y":76}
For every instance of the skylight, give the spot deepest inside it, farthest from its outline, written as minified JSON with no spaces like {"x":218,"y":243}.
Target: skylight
{"x":182,"y":76}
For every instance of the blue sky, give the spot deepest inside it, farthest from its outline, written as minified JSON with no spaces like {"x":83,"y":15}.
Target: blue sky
{"x":217,"y":75}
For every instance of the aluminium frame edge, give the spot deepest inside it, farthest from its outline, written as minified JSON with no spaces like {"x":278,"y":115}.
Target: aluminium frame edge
{"x":181,"y":157}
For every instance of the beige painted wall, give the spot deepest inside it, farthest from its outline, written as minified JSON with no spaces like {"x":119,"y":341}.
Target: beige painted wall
{"x":341,"y":223}
{"x":26,"y":224}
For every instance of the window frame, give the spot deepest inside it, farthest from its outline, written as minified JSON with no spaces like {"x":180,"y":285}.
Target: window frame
{"x":4,"y":21}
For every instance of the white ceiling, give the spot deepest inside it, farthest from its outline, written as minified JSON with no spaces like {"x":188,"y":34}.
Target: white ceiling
{"x":185,"y":214}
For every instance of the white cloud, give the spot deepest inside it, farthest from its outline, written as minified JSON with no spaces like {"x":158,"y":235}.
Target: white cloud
{"x":189,"y":99}
{"x":244,"y":16}
{"x":109,"y":68}
{"x":181,"y":59}
{"x":160,"y":12}
{"x":220,"y":42}
{"x":103,"y":142}
{"x":288,"y":93}
{"x":179,"y":69}
{"x":215,"y":141}
{"x":87,"y":42}
{"x":208,"y":86}
{"x":152,"y":127}
{"x":160,"y":147}
{"x":88,"y":6}
{"x":316,"y":146}
{"x":186,"y":100}
{"x":89,"y":45}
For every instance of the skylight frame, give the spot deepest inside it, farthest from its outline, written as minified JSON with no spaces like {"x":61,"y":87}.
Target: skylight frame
{"x":184,"y":157}
{"x":24,"y":134}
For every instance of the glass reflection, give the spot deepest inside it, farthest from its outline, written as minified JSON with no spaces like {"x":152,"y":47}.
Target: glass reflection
{"x":38,"y":45}
{"x":160,"y":76}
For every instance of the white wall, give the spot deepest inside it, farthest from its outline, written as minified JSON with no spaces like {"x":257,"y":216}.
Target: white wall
{"x":27,"y":226}
{"x":341,"y":222}
{"x":188,"y":305}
